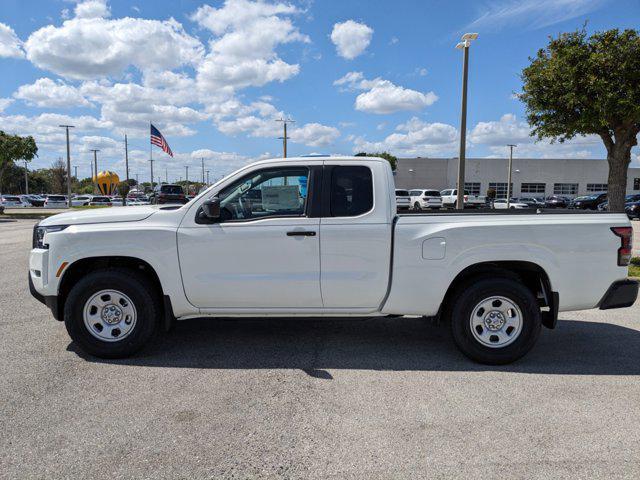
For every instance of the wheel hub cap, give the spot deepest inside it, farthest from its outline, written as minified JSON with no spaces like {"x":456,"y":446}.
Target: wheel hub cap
{"x":111,"y":314}
{"x":494,"y":321}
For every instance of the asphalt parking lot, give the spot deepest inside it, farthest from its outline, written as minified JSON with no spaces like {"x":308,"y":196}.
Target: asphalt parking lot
{"x":312,"y":398}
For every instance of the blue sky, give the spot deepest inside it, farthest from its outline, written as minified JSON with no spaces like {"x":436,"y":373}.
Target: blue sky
{"x":214,"y":76}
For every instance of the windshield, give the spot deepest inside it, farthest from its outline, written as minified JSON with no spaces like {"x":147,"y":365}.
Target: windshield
{"x":171,"y":189}
{"x":402,"y":193}
{"x":56,"y":198}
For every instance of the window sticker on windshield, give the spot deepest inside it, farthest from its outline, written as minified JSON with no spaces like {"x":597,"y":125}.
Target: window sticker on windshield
{"x":280,"y":197}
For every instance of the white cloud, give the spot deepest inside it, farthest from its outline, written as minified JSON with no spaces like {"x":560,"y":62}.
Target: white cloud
{"x":509,"y":130}
{"x":506,"y":130}
{"x":4,"y":103}
{"x":315,"y":135}
{"x":44,"y":92}
{"x":531,"y":13}
{"x":415,"y":137}
{"x":10,"y":44}
{"x":85,"y":48}
{"x":244,"y":52}
{"x":383,"y":96}
{"x":92,"y":9}
{"x":351,"y":38}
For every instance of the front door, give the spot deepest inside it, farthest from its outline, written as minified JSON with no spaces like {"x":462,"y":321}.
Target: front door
{"x":263,"y":253}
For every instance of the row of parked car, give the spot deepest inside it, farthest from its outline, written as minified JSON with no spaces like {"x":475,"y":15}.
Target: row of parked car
{"x":432,"y":199}
{"x":60,"y":201}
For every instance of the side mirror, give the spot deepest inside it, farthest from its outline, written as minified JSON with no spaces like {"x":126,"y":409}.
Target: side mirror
{"x":211,"y":208}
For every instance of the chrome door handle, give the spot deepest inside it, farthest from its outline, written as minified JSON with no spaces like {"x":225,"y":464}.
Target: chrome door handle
{"x":301,"y":233}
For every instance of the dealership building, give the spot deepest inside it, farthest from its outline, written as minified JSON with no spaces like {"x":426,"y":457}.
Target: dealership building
{"x":531,"y":177}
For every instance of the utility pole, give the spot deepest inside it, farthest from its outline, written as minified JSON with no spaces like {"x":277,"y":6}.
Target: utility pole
{"x":464,"y":46}
{"x":509,"y":180}
{"x":67,"y":127}
{"x":208,"y":178}
{"x":26,"y":178}
{"x":284,"y":138}
{"x":75,"y":171}
{"x":95,"y":169}
{"x":186,"y":176}
{"x":166,"y":175}
{"x":202,"y":170}
{"x":126,"y":157}
{"x":137,"y":182}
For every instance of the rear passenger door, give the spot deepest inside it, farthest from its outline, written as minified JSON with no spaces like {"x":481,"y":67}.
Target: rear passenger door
{"x":355,"y":237}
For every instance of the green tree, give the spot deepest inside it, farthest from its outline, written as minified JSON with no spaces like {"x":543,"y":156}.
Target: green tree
{"x":580,"y":85}
{"x":393,"y":160}
{"x":14,"y":148}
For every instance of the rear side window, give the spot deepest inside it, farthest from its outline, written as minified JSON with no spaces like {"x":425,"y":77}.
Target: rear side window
{"x":351,"y":191}
{"x":171,"y":189}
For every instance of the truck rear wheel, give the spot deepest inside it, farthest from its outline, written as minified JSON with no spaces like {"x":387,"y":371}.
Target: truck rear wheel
{"x":111,"y":313}
{"x":495,"y":320}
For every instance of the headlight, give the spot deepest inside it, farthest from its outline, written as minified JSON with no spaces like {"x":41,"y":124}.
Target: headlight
{"x":39,"y":233}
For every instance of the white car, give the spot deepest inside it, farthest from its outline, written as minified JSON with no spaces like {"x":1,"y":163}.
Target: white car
{"x":426,"y":198}
{"x":116,"y":275}
{"x":13,"y":201}
{"x":501,"y":203}
{"x":55,"y":201}
{"x":450,"y":198}
{"x":81,"y":200}
{"x":403,"y":201}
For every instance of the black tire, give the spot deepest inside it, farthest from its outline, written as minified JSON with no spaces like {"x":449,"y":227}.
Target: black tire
{"x":416,"y":206}
{"x":133,"y":285}
{"x":467,"y":298}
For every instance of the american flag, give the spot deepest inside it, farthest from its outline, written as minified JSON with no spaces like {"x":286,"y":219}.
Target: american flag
{"x":158,"y":139}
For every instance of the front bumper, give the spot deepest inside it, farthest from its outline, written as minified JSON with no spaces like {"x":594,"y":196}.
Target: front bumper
{"x":620,"y":294}
{"x":50,"y":301}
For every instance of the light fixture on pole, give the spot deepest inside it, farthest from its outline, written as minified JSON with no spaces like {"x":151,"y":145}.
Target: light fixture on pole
{"x":464,"y":45}
{"x":67,"y":127}
{"x":511,"y":147}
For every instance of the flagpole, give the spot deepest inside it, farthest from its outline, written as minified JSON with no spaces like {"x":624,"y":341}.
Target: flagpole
{"x":151,"y":156}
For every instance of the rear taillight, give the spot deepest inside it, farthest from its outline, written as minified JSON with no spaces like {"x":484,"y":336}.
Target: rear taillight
{"x":626,"y":244}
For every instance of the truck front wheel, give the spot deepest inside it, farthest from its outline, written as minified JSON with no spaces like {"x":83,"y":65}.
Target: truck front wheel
{"x":495,"y":320}
{"x":111,"y":313}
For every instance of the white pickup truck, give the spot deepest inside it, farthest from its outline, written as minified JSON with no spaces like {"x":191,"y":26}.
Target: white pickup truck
{"x":321,"y":237}
{"x":450,"y":198}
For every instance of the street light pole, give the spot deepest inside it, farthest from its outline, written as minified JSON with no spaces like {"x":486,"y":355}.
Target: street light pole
{"x":95,"y":170}
{"x":464,"y":46}
{"x":67,"y":127}
{"x":509,"y":179}
{"x":208,"y":178}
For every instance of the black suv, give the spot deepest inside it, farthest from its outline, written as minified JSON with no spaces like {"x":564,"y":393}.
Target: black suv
{"x":556,"y":201}
{"x":169,"y":193}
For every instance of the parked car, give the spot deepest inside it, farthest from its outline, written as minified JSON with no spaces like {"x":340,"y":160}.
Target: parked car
{"x":501,"y":203}
{"x":33,"y":200}
{"x":55,"y":201}
{"x":403,"y":201}
{"x":168,"y":193}
{"x":450,"y":198}
{"x":533,"y":202}
{"x":102,"y":201}
{"x":631,"y":198}
{"x":588,"y":202}
{"x":81,"y":200}
{"x":335,"y":251}
{"x":632,"y":210}
{"x":425,"y":198}
{"x":556,"y":201}
{"x":13,"y":201}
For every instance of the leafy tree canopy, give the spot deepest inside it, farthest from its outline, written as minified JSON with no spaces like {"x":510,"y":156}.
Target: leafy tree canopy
{"x":393,"y":160}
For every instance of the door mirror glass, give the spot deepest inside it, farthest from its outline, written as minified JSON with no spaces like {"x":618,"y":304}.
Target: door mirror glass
{"x":211,"y":208}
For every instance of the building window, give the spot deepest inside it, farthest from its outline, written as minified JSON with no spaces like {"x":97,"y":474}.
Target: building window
{"x":532,"y":188}
{"x":565,"y":188}
{"x":597,"y":187}
{"x":500,"y":188}
{"x":636,"y":183}
{"x":472,"y":187}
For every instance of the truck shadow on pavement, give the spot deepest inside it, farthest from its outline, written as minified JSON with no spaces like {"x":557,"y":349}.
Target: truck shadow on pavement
{"x":316,"y":345}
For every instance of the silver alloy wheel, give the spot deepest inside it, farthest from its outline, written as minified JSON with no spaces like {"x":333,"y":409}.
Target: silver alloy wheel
{"x":109,"y":315}
{"x":496,"y":322}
